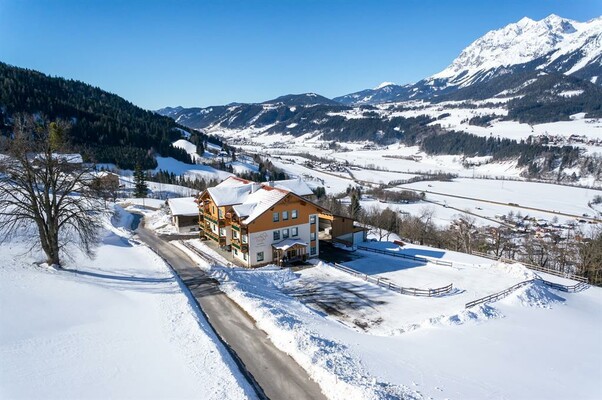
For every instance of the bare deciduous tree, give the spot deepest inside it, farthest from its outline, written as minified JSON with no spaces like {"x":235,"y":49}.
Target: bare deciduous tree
{"x":44,"y":187}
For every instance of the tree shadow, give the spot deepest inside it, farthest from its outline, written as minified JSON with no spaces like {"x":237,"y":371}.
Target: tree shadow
{"x":116,"y":281}
{"x":414,"y":252}
{"x":381,"y":264}
{"x":115,"y":240}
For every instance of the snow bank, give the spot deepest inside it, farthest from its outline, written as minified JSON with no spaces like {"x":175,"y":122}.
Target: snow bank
{"x":289,"y":325}
{"x":534,"y":295}
{"x":517,"y":270}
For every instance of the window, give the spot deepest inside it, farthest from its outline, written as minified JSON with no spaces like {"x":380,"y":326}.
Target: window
{"x":312,"y":219}
{"x":260,"y":256}
{"x":222,"y":231}
{"x":285,"y":234}
{"x":276,"y":235}
{"x":312,"y":251}
{"x":220,"y":213}
{"x":312,"y":236}
{"x":234,"y":234}
{"x":235,"y":252}
{"x":245,"y":256}
{"x":284,"y":215}
{"x":294,"y":232}
{"x":244,"y":239}
{"x":294,"y":214}
{"x":276,"y":217}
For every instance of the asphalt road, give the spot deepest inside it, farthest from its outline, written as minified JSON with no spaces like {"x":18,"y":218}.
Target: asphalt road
{"x":274,"y":374}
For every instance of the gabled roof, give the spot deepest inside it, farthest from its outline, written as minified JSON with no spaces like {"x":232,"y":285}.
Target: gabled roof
{"x":297,"y":186}
{"x":249,"y":199}
{"x":184,"y":206}
{"x":258,"y":202}
{"x":233,"y":181}
{"x":288,"y":243}
{"x":230,"y":194}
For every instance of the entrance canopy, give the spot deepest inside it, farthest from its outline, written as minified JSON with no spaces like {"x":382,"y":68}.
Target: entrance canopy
{"x":289,"y":244}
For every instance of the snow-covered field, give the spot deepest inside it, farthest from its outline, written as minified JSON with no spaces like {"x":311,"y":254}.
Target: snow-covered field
{"x":564,"y":199}
{"x":367,"y":342}
{"x":191,"y":171}
{"x":118,"y":326}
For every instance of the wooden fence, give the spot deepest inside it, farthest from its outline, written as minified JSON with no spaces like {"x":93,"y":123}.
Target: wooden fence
{"x":500,"y":295}
{"x":534,"y":267}
{"x":407,"y":256}
{"x":383,"y":282}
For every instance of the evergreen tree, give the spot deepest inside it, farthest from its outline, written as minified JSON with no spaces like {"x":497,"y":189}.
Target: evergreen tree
{"x":355,"y":208}
{"x":140,"y":188}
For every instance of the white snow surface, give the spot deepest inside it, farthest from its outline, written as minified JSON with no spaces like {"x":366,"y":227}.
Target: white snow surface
{"x":191,"y":171}
{"x":118,"y":326}
{"x":486,"y":352}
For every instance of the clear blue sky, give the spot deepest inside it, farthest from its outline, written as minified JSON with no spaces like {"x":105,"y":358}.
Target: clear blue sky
{"x":199,"y":53}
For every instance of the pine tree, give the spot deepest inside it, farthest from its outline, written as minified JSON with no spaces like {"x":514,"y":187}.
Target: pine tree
{"x":355,"y":208}
{"x":140,"y":186}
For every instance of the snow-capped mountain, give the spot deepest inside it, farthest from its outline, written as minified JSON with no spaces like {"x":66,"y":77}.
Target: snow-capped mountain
{"x":548,"y":40}
{"x":533,"y":71}
{"x":551,"y":45}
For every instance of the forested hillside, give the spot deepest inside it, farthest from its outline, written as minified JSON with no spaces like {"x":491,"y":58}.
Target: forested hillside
{"x":105,"y":127}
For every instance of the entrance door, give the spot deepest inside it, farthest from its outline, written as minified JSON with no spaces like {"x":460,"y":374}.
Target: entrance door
{"x":292,"y":253}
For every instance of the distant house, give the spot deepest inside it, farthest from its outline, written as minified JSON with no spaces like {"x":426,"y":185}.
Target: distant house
{"x":184,"y":214}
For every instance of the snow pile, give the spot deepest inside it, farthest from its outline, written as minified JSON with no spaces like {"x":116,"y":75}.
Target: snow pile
{"x":289,"y":324}
{"x":517,"y":270}
{"x":474,"y":315}
{"x":160,"y":222}
{"x":535,"y":294}
{"x":479,"y":313}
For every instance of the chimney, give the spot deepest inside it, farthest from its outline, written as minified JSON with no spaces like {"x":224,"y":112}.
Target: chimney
{"x":255,"y":187}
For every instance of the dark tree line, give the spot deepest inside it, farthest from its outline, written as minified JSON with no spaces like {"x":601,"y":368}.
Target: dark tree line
{"x":104,"y":127}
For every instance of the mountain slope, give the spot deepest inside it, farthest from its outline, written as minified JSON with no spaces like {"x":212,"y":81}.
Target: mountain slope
{"x":553,"y":45}
{"x":106,"y":127}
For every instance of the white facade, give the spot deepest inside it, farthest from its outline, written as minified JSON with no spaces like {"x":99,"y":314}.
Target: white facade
{"x":263,"y":241}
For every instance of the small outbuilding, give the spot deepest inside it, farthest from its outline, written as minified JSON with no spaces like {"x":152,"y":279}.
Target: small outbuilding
{"x":184,"y":214}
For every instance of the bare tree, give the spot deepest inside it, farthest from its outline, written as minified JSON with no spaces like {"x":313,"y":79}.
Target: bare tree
{"x":45,"y":188}
{"x":465,"y":226}
{"x":381,"y":222}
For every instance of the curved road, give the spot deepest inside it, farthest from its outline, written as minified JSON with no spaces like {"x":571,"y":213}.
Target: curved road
{"x":274,"y":374}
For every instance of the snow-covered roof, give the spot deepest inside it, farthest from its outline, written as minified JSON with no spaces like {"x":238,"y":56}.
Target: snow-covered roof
{"x":233,"y":181}
{"x":258,"y":202}
{"x":288,"y":243}
{"x":250,"y":199}
{"x":297,"y":186}
{"x":183,"y":206}
{"x":229,"y":194}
